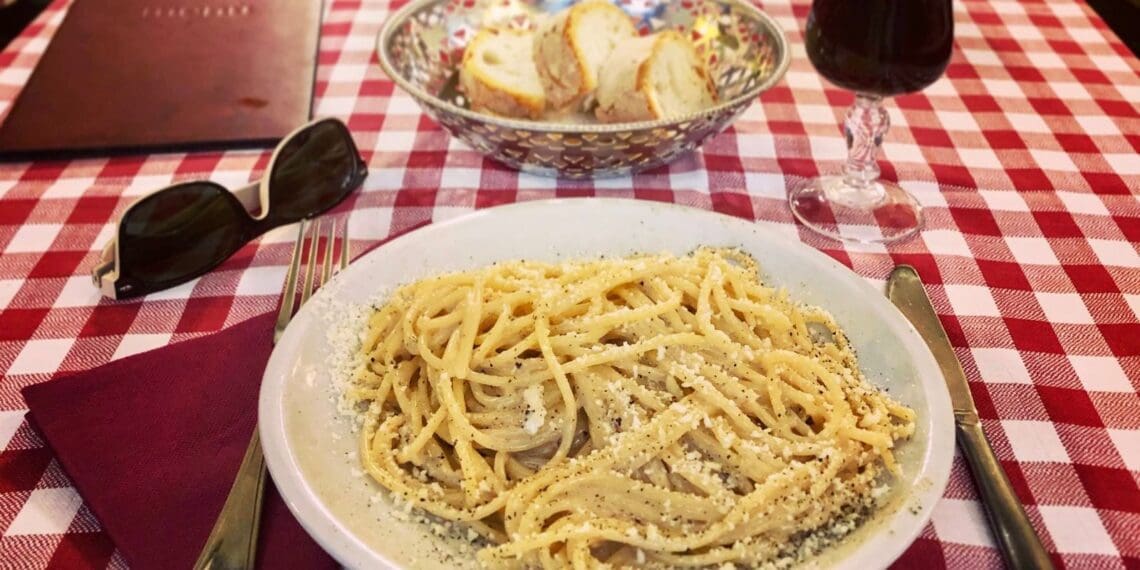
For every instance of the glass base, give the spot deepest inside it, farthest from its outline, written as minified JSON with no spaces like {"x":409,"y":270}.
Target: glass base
{"x":877,"y":213}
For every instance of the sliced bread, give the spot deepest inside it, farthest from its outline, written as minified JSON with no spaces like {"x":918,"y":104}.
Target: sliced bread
{"x":498,"y":74}
{"x":570,"y":47}
{"x":653,"y":77}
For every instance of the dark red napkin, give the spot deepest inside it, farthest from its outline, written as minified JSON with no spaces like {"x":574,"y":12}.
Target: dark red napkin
{"x":153,"y":441}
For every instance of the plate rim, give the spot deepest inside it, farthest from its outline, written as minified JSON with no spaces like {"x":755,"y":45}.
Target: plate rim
{"x":314,"y":516}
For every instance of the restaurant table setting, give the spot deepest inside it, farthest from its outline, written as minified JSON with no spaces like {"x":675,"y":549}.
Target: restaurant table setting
{"x":1016,"y":177}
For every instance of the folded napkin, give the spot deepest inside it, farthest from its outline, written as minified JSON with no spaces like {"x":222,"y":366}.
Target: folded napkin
{"x":153,"y":441}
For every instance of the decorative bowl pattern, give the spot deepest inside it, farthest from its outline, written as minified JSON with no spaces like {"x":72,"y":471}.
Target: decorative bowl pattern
{"x":421,"y":47}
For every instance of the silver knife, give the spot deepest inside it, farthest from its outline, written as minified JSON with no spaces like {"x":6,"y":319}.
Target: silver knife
{"x":1019,"y":544}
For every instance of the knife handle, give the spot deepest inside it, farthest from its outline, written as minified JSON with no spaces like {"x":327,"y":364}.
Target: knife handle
{"x":1017,"y":541}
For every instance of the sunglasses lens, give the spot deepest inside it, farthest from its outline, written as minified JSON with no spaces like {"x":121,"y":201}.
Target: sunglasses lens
{"x":313,"y":171}
{"x":179,"y":233}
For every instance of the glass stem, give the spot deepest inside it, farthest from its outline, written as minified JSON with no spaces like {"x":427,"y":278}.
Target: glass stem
{"x":865,"y":126}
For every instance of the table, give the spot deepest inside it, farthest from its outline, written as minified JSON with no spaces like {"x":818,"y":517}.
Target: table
{"x":1025,"y":156}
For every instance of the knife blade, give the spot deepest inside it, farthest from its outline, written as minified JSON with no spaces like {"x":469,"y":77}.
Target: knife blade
{"x":1018,"y":542}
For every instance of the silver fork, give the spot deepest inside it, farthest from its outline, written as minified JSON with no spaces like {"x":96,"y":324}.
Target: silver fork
{"x":232,"y":544}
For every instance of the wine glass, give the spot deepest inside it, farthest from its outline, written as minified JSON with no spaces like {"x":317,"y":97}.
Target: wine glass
{"x":877,"y":48}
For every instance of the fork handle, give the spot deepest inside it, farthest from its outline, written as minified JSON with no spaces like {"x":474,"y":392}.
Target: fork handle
{"x":232,"y":544}
{"x":1016,"y":540}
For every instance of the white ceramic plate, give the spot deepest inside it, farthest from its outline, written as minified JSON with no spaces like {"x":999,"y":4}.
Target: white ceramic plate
{"x":310,"y":450}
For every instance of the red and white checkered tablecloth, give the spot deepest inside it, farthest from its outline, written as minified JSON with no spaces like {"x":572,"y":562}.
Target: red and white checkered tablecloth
{"x":1025,"y":156}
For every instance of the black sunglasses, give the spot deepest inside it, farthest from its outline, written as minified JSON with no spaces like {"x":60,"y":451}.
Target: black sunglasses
{"x":182,"y":231}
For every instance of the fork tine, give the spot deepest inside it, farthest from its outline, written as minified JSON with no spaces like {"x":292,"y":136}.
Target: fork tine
{"x":311,"y":270}
{"x":344,"y":243}
{"x":330,"y":245}
{"x":290,"y":294}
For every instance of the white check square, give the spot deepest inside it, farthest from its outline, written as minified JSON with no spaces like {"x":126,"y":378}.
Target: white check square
{"x":827,"y":148}
{"x":972,"y":300}
{"x":1070,"y":91}
{"x":336,"y":106}
{"x":1127,"y":442}
{"x":33,"y":238}
{"x":765,"y":184}
{"x":69,"y":187}
{"x":1000,"y":365}
{"x":1110,"y":62}
{"x":8,"y":290}
{"x":395,"y":141}
{"x":1053,"y":160}
{"x":1133,"y":301}
{"x":1065,"y":9}
{"x":1031,"y":251}
{"x":1005,"y":200}
{"x":47,"y":511}
{"x":1064,"y":308}
{"x":401,"y":104}
{"x":280,"y":234}
{"x":35,"y":45}
{"x":981,"y":57}
{"x":265,"y":280}
{"x":804,"y":80}
{"x":1079,"y":203}
{"x":946,"y":242}
{"x":756,"y":145}
{"x":1123,"y":163}
{"x":359,"y":42}
{"x":348,"y":72}
{"x":14,"y":76}
{"x":139,"y":343}
{"x":1022,"y":32}
{"x":1100,"y":373}
{"x":1097,"y":125}
{"x":816,"y":114}
{"x":77,"y":292}
{"x":1077,"y":530}
{"x":903,"y":152}
{"x":1008,"y":8}
{"x":370,"y":223}
{"x":1115,"y":253}
{"x":1003,"y":88}
{"x":966,"y":30}
{"x":942,"y":88}
{"x":1045,"y":60}
{"x":979,"y":158}
{"x":146,"y":183}
{"x":10,"y":422}
{"x":461,"y":177}
{"x":176,"y":293}
{"x":536,"y":182}
{"x":961,"y":522}
{"x":41,"y":356}
{"x":384,"y":179}
{"x":1027,"y":123}
{"x":929,"y":195}
{"x":1034,"y":441}
{"x":957,"y":121}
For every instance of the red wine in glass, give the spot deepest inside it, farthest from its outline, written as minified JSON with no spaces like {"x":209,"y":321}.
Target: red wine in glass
{"x":877,"y":48}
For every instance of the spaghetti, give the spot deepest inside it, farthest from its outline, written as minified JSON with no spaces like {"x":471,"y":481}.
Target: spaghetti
{"x":660,"y":409}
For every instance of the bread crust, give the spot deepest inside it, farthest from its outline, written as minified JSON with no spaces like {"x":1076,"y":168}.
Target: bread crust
{"x":562,"y":56}
{"x":487,"y":93}
{"x":626,"y":92}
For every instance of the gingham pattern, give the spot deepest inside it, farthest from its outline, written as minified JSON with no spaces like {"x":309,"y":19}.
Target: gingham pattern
{"x":1036,"y":275}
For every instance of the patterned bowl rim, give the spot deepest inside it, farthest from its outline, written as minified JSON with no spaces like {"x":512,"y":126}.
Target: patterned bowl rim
{"x":396,"y":20}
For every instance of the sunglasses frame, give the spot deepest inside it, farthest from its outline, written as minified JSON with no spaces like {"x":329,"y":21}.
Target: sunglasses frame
{"x":255,"y":196}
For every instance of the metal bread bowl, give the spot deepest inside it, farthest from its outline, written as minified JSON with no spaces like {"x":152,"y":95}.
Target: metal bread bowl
{"x":421,"y":47}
